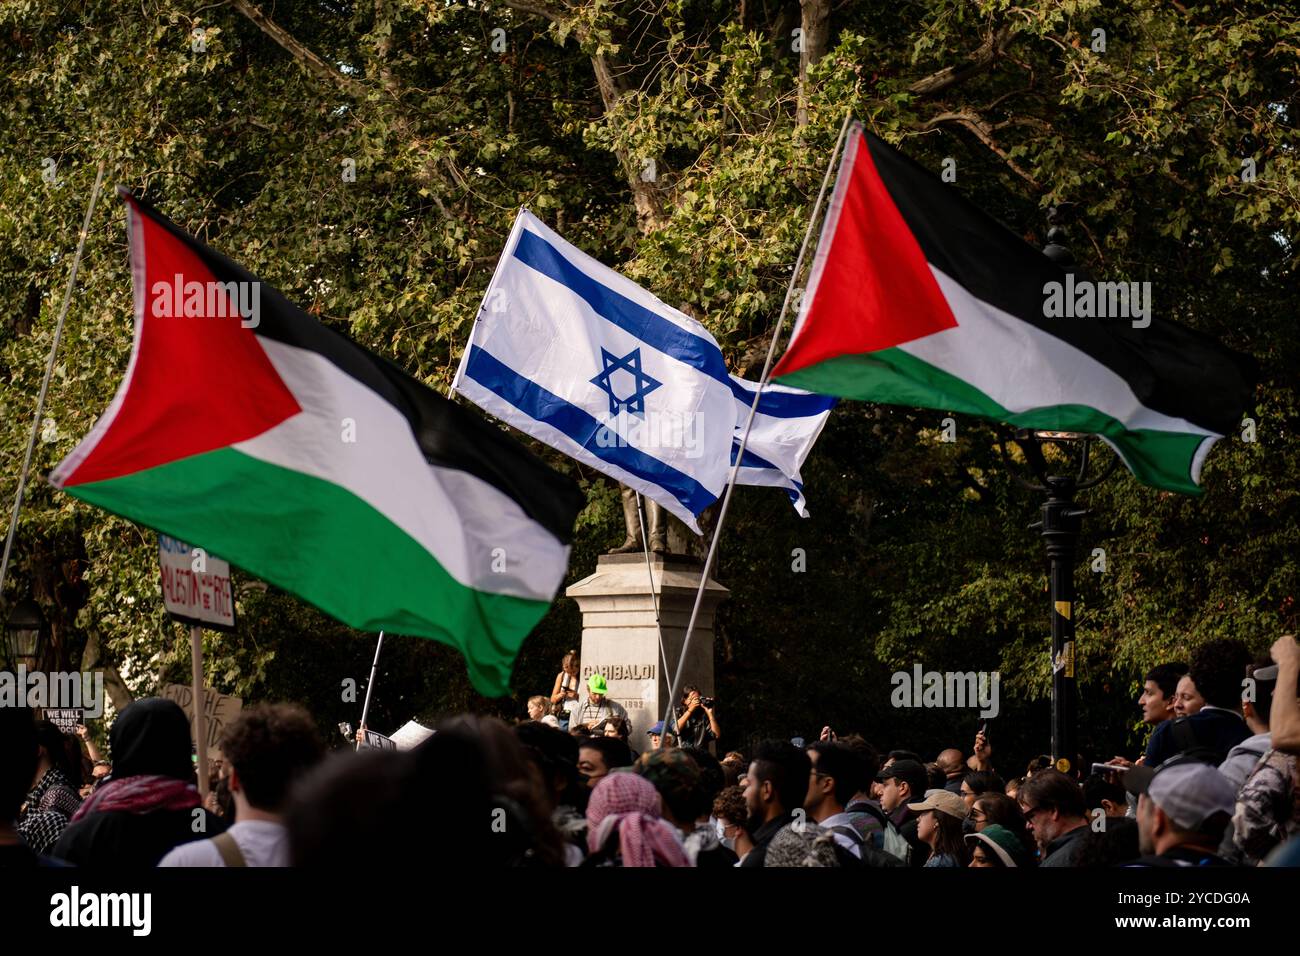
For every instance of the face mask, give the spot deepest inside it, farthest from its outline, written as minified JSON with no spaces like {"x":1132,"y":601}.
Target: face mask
{"x":722,"y":830}
{"x":729,"y":844}
{"x":967,"y":825}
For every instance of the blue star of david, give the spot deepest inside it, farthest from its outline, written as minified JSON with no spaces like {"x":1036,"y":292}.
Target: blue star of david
{"x":631,"y":363}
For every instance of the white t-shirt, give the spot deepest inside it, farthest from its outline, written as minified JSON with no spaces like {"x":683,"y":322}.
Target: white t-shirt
{"x":262,"y":842}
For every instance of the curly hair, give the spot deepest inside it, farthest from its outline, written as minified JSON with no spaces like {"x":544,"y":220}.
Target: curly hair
{"x":270,"y":746}
{"x":729,"y":805}
{"x":1217,"y":669}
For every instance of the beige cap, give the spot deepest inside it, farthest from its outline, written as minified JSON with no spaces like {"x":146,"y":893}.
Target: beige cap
{"x":945,"y":801}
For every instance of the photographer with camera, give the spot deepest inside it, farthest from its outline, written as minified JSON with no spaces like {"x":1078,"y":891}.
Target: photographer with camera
{"x":696,"y":724}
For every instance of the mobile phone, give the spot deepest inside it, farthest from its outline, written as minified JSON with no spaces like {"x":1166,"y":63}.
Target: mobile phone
{"x":1109,"y":768}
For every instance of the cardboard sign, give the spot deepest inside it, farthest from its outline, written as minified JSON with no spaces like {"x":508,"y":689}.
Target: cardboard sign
{"x":196,"y":586}
{"x":410,"y":735}
{"x":219,"y":710}
{"x":66,"y":719}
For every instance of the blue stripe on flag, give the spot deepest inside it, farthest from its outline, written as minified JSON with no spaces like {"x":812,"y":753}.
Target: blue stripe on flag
{"x":651,"y":328}
{"x":751,"y":460}
{"x":545,"y":406}
{"x":656,"y":331}
{"x":782,"y":404}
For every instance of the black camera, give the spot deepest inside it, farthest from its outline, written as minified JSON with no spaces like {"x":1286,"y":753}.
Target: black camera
{"x":707,"y":702}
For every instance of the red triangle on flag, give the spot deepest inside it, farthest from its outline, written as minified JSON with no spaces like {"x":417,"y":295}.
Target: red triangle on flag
{"x":195,"y":383}
{"x":871,"y":287}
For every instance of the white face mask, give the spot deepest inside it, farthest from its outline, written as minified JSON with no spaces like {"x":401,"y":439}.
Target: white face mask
{"x":726,"y":841}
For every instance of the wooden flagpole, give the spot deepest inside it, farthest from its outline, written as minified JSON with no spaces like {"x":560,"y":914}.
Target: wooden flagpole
{"x":200,"y":712}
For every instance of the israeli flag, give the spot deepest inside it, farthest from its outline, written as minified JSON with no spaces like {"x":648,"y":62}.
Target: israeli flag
{"x":581,"y":358}
{"x":785,"y":427}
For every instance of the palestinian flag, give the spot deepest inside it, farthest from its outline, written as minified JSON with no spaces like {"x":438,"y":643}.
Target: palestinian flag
{"x":249,"y":429}
{"x":916,"y":297}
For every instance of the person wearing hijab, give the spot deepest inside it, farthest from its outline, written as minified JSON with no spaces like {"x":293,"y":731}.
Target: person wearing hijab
{"x":151,"y":803}
{"x":624,"y":827}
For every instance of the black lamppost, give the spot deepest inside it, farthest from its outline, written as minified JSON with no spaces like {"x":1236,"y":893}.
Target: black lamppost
{"x":1061,"y":522}
{"x":24,"y":630}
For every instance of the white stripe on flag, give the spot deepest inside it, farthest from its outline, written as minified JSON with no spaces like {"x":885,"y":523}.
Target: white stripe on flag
{"x":570,"y":352}
{"x":785,"y":427}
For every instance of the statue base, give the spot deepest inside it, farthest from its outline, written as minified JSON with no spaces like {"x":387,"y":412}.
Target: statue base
{"x":620,"y":640}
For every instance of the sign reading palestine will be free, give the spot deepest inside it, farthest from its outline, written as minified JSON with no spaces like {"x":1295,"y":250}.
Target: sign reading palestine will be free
{"x":196,"y":586}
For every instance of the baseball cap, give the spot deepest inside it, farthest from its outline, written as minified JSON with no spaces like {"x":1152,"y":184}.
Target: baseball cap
{"x":657,"y":729}
{"x":909,"y":771}
{"x":596,"y":684}
{"x":1189,"y":792}
{"x":945,"y":801}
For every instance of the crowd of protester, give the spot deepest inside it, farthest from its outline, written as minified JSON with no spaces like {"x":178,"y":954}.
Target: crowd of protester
{"x":1217,"y":785}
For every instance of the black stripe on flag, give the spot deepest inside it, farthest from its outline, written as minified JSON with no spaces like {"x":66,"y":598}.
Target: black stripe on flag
{"x":447,"y":434}
{"x":1171,"y":368}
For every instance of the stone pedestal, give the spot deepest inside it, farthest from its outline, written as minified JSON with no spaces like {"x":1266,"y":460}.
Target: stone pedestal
{"x":619,"y":638}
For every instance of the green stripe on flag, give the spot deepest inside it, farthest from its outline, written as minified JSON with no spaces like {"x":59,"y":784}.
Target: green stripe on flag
{"x":893,"y":377}
{"x":319,"y":541}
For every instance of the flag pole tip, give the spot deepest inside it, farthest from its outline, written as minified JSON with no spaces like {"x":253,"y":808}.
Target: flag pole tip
{"x":124,"y":192}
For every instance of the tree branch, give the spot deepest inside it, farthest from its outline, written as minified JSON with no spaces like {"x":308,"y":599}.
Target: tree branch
{"x":537,"y":9}
{"x":980,"y":127}
{"x":979,"y":61}
{"x":305,"y":58}
{"x":649,"y":209}
{"x":645,"y":197}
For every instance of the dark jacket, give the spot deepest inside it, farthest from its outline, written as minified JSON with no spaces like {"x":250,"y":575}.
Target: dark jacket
{"x":1212,"y":730}
{"x":762,"y":837}
{"x":151,"y":737}
{"x":1066,"y":849}
{"x":1181,"y":856}
{"x":124,"y":840}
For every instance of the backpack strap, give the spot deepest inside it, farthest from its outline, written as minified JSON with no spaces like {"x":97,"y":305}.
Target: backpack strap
{"x":231,"y":855}
{"x":849,"y":832}
{"x":875,"y":812}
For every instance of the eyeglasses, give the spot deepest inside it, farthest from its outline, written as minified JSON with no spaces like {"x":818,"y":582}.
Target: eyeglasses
{"x":1029,"y":812}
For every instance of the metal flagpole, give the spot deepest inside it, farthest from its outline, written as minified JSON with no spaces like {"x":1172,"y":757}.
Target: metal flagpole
{"x":674,"y":688}
{"x":659,"y":631}
{"x":451,"y":389}
{"x":365,"y":708}
{"x":49,"y":370}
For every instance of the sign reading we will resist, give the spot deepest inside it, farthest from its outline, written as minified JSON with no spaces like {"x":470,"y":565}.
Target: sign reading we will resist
{"x":196,"y":586}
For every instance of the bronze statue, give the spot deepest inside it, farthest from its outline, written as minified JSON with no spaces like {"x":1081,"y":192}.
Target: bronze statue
{"x":668,"y":534}
{"x":656,"y":525}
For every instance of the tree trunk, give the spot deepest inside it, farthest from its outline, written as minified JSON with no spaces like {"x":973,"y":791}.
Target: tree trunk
{"x":640,"y":175}
{"x":118,"y":692}
{"x":815,"y":24}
